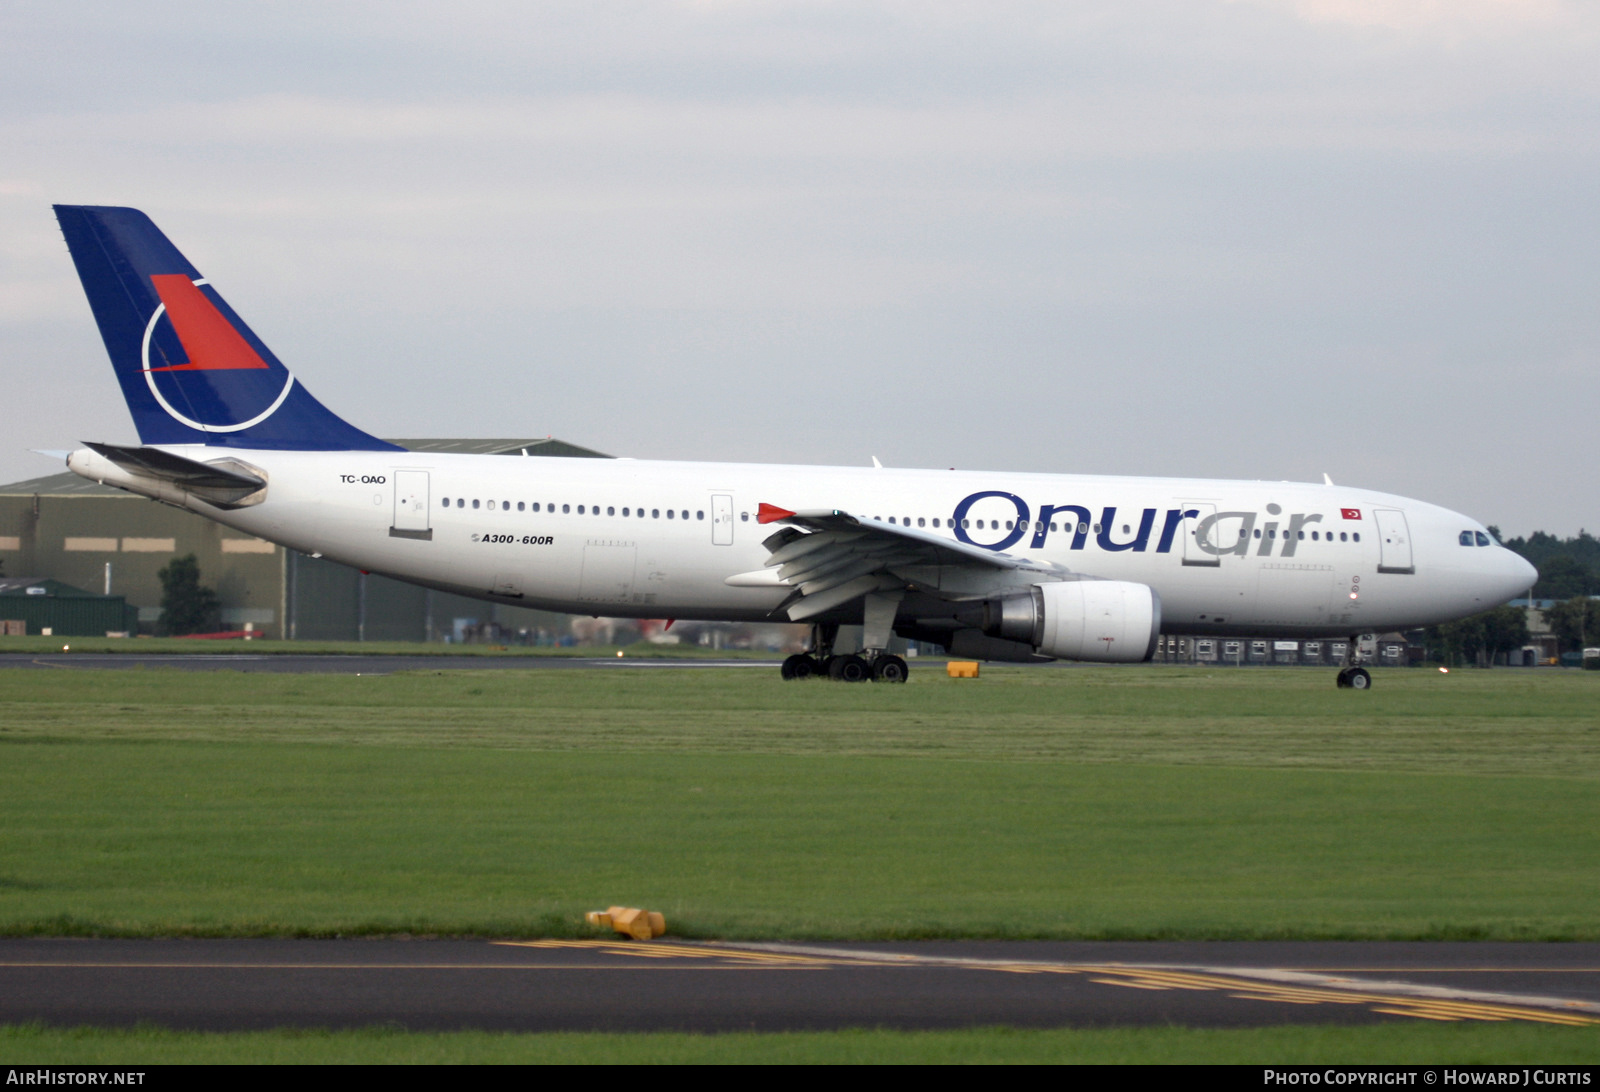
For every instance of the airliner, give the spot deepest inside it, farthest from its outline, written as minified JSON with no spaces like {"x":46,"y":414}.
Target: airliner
{"x":990,"y":565}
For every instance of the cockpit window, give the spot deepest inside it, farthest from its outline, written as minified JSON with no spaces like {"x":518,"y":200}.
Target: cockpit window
{"x":1483,"y":539}
{"x":1466,"y":538}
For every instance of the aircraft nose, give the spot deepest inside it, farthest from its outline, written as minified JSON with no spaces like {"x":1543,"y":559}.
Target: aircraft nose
{"x":1514,"y":576}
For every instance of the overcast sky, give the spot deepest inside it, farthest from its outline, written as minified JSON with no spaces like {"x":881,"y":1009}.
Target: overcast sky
{"x":1252,"y":239}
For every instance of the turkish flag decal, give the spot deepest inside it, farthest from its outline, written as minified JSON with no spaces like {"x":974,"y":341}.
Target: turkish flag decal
{"x":1350,"y":513}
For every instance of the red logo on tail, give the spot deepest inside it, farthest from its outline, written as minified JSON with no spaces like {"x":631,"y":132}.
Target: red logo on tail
{"x":208,"y":339}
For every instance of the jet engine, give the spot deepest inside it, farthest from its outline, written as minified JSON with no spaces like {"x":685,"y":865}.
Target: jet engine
{"x":1106,"y":621}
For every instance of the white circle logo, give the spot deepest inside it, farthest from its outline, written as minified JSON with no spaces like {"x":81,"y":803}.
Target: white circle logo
{"x":222,"y":385}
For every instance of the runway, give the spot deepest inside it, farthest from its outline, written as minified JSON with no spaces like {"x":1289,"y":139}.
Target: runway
{"x":295,"y":663}
{"x":540,"y":985}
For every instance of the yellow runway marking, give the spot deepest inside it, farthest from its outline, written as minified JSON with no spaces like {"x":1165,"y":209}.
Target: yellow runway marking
{"x":1245,"y":984}
{"x":1271,"y":985}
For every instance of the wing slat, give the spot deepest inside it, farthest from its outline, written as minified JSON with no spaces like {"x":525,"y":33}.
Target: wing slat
{"x":832,"y":557}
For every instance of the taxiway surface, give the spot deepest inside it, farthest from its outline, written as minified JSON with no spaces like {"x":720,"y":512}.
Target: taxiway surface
{"x":338,"y":664}
{"x":540,"y":985}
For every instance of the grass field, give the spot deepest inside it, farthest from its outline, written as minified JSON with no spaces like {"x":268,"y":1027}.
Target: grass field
{"x":1387,"y":1044}
{"x":1057,"y":802}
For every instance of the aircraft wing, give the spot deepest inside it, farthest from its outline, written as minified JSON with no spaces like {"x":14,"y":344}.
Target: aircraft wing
{"x":829,"y":557}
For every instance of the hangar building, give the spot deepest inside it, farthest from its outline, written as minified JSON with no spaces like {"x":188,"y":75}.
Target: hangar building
{"x":105,"y":541}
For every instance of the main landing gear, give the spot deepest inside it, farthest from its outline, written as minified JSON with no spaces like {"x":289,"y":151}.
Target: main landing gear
{"x":1353,"y":676}
{"x":875,"y":665}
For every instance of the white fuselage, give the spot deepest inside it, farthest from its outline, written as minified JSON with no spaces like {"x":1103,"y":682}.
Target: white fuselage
{"x":1225,"y":557}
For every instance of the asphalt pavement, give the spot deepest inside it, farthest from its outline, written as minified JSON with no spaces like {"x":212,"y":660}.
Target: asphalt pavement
{"x":537,"y":985}
{"x":296,"y":663}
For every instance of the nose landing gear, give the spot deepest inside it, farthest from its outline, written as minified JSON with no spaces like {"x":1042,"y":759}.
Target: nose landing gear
{"x":1353,"y":676}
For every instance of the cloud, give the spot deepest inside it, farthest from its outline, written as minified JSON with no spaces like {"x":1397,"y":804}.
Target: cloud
{"x":1204,"y":238}
{"x":1474,"y":16}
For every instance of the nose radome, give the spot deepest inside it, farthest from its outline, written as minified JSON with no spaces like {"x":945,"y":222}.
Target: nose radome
{"x":1518,"y":574}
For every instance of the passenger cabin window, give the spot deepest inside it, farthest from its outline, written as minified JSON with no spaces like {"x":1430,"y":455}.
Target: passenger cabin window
{"x":669,"y":513}
{"x":474,"y":504}
{"x":565,"y":508}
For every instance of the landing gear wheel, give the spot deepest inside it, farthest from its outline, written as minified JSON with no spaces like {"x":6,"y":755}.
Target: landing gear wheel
{"x":889,"y":669}
{"x":1354,"y":678}
{"x":849,"y":669}
{"x":799,"y":666}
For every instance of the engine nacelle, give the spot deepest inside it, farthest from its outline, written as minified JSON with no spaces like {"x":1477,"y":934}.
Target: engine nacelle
{"x":1105,"y":621}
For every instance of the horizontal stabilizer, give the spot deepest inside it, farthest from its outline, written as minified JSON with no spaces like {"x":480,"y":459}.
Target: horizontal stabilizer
{"x":175,"y":479}
{"x":156,"y":463}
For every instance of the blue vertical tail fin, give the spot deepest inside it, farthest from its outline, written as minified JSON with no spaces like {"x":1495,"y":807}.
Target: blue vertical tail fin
{"x":191,"y":370}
